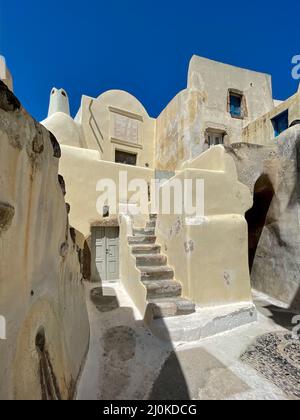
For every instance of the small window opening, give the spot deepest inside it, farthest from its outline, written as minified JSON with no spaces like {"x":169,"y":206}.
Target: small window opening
{"x":281,"y":123}
{"x":215,"y":137}
{"x":235,"y":105}
{"x":125,"y":158}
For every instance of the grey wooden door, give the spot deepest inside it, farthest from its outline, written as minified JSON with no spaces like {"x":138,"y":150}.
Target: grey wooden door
{"x":112,"y":253}
{"x":100,"y":252}
{"x":106,"y":240}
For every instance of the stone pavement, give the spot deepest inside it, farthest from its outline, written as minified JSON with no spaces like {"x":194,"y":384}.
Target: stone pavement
{"x":127,"y":362}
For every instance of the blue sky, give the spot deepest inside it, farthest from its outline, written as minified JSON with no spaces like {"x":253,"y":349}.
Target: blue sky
{"x":144,"y":47}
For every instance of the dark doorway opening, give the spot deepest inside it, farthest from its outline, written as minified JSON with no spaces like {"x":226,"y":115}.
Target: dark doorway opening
{"x":257,"y":215}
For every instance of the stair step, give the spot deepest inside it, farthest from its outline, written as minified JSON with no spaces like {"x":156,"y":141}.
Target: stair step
{"x":147,"y":239}
{"x":143,"y":231}
{"x":162,"y":308}
{"x":156,"y":273}
{"x":162,"y":288}
{"x":151,"y":224}
{"x":145,"y":249}
{"x":146,"y":260}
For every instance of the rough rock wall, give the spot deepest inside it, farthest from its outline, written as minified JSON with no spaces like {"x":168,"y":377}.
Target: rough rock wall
{"x":41,"y":291}
{"x":274,"y":172}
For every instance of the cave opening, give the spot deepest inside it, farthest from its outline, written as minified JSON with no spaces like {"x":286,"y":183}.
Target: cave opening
{"x":257,"y":216}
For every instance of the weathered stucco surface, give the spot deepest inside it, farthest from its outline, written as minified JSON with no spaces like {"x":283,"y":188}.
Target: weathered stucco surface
{"x":94,"y":127}
{"x":181,"y":131}
{"x":276,"y":262}
{"x":261,"y":131}
{"x":173,"y":144}
{"x":82,"y":169}
{"x":41,"y":292}
{"x":5,"y":74}
{"x":209,"y":253}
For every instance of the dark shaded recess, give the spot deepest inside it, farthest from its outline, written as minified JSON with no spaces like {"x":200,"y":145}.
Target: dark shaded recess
{"x":8,"y":101}
{"x":295,"y":122}
{"x":86,"y":261}
{"x":49,"y":386}
{"x":7,"y":213}
{"x":257,"y":215}
{"x":62,"y":184}
{"x":73,"y":235}
{"x":55,"y":145}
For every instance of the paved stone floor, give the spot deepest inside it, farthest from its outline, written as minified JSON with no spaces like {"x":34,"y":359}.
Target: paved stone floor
{"x":125,"y":361}
{"x":277,"y":357}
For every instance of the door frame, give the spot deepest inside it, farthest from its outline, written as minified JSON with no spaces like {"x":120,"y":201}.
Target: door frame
{"x":95,"y":277}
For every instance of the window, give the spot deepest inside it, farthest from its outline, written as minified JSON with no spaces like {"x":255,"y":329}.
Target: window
{"x":281,"y":123}
{"x":125,"y":158}
{"x":235,"y":104}
{"x":215,"y":137}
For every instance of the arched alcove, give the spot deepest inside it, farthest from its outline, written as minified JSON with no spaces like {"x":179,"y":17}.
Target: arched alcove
{"x":257,"y":215}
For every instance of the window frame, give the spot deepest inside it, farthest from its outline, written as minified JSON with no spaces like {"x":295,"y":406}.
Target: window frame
{"x":243,"y":104}
{"x":276,"y":119}
{"x":127,"y":153}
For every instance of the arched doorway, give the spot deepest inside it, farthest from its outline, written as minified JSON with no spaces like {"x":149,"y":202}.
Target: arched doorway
{"x":257,"y":215}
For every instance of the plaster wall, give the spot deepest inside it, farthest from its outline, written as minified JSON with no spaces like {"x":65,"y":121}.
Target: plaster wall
{"x":5,"y":74}
{"x":261,"y":131}
{"x":210,"y":254}
{"x":40,"y":279}
{"x":99,"y":117}
{"x":181,"y":132}
{"x":130,"y":276}
{"x":82,"y":169}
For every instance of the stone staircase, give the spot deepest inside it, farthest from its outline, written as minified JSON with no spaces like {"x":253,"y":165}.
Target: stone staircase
{"x":163,"y":291}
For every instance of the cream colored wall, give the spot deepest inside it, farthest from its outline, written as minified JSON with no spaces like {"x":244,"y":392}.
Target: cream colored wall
{"x":65,"y":129}
{"x":40,"y":279}
{"x":210,"y":254}
{"x":214,"y":79}
{"x":5,"y":74}
{"x":181,"y":127}
{"x":130,"y":276}
{"x":82,"y":169}
{"x":261,"y":131}
{"x":173,"y":131}
{"x":96,"y":117}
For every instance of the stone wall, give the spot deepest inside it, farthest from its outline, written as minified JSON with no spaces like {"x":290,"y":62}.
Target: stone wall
{"x":41,"y":290}
{"x":272,"y":174}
